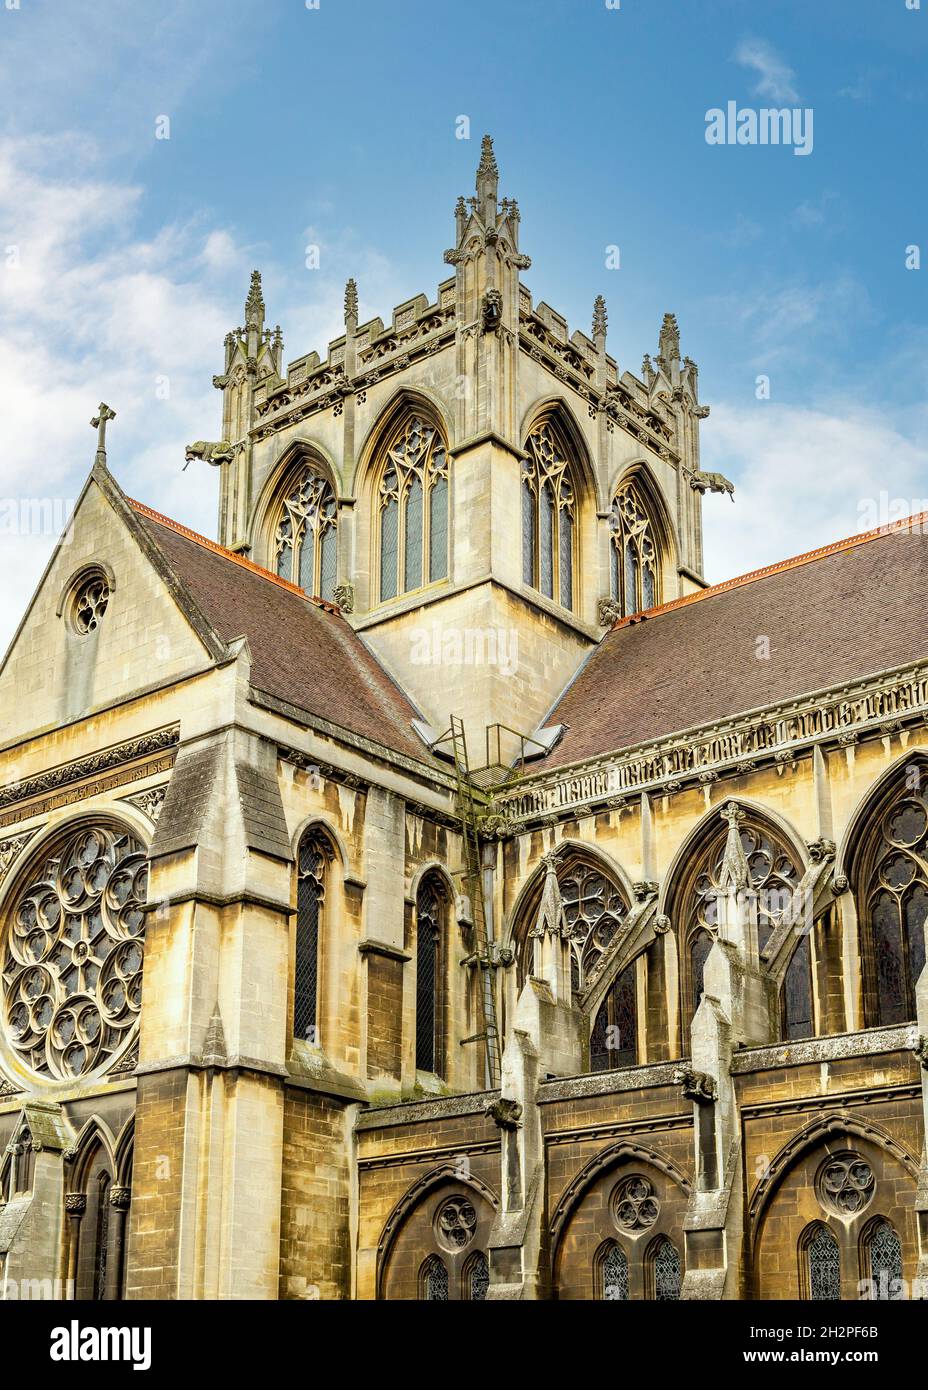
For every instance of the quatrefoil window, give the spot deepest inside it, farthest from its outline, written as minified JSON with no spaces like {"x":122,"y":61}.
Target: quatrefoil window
{"x":456,"y":1223}
{"x":846,"y":1184}
{"x":634,"y":1205}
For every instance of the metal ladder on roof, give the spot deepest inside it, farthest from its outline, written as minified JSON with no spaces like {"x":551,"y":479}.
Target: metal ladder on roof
{"x":473,"y":878}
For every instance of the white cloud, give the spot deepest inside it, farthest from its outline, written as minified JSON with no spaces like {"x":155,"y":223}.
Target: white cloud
{"x":806,"y":477}
{"x":94,"y":310}
{"x":775,"y":79}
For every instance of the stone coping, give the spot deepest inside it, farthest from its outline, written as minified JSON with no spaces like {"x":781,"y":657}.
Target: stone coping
{"x":414,"y":1111}
{"x":869,"y":1042}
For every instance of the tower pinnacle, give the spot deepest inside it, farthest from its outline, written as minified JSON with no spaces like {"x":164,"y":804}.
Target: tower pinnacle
{"x":487,"y":182}
{"x":254,"y":304}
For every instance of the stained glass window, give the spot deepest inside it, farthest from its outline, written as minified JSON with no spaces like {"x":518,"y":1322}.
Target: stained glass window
{"x":306,"y":539}
{"x":73,"y":952}
{"x":634,"y":554}
{"x":885,"y":1262}
{"x":667,"y":1271}
{"x":797,"y":993}
{"x":773,"y":873}
{"x":413,"y":509}
{"x":312,"y":858}
{"x":614,"y":1274}
{"x":895,"y":905}
{"x":614,"y":1040}
{"x":595,"y":909}
{"x":478,"y":1278}
{"x":548,"y":516}
{"x":435,"y":1280}
{"x":428,"y":954}
{"x":824,"y":1261}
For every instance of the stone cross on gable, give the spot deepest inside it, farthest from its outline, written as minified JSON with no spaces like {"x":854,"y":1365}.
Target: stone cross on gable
{"x":98,"y":423}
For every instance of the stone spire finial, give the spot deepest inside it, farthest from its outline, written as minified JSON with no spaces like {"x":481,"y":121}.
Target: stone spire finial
{"x":487,"y":181}
{"x":600,"y":319}
{"x":98,"y":423}
{"x":351,"y":304}
{"x":734,"y":871}
{"x":550,"y":917}
{"x":668,"y":348}
{"x":254,"y":304}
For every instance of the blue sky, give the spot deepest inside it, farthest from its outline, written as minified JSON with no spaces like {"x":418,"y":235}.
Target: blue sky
{"x":130,"y":255}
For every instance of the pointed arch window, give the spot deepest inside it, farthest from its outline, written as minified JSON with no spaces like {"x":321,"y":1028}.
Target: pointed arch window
{"x":313,"y":857}
{"x":633,"y":552}
{"x":413,"y":509}
{"x":613,"y":1274}
{"x":666,"y":1271}
{"x":614,"y":1040}
{"x":594,"y":909}
{"x":476,"y":1278}
{"x":773,"y":873}
{"x":306,"y":537}
{"x":430,"y":902}
{"x":823,"y":1266}
{"x":548,"y":516}
{"x":884,"y":1261}
{"x":893,"y":903}
{"x":435,"y":1280}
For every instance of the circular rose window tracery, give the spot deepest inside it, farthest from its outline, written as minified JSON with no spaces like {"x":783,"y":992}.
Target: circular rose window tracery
{"x":455,"y":1223}
{"x":72,"y":955}
{"x":846,"y":1184}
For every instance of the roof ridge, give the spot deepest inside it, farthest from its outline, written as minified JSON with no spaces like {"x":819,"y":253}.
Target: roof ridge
{"x":907,"y":523}
{"x":227,"y":554}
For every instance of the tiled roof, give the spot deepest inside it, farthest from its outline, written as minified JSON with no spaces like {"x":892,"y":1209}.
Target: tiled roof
{"x":833,"y":615}
{"x":303,"y":651}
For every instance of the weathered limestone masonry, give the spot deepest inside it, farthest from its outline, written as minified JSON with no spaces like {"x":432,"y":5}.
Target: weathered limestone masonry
{"x":630,"y":1005}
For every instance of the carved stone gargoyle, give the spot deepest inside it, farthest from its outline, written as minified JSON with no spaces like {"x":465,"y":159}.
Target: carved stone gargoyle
{"x":505,"y":1114}
{"x":711,"y":482}
{"x":221,"y":451}
{"x":492,"y":311}
{"x":696,"y":1085}
{"x":921,"y":1051}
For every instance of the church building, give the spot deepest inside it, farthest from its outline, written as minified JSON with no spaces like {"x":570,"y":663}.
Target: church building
{"x":431,"y":888}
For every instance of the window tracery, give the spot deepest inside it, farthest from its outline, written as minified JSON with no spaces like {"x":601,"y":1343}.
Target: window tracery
{"x":413,"y":509}
{"x":846,"y":1184}
{"x":667,"y":1271}
{"x":435,"y":1280}
{"x":634,"y":1204}
{"x":893,"y":904}
{"x":633,"y":552}
{"x":477,"y":1277}
{"x":823,"y":1259}
{"x":306,"y":538}
{"x":455,"y":1223}
{"x":614,"y":1274}
{"x":429,"y":913}
{"x":548,"y":516}
{"x":884,"y":1253}
{"x":72,"y":957}
{"x":90,"y":603}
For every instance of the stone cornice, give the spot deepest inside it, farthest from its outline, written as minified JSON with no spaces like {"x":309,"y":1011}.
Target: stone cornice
{"x":777,"y":735}
{"x":811,"y":1051}
{"x":606,"y":1083}
{"x":437,"y":1108}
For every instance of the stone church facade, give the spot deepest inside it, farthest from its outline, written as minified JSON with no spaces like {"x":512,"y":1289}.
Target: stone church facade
{"x":432,"y":889}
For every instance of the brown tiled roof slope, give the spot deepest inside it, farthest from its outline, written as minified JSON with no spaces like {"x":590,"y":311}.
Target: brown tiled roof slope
{"x":302,"y":651}
{"x":848,"y":611}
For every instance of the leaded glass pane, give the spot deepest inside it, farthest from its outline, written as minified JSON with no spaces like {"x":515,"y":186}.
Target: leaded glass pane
{"x":479,"y":1279}
{"x":428,"y":934}
{"x":885,"y":1263}
{"x":329,"y":565}
{"x":614,"y":571}
{"x":648,"y":589}
{"x":436,"y":1281}
{"x":615,"y":1274}
{"x":916,"y":913}
{"x":594,"y":909}
{"x":797,"y":993}
{"x":631,"y":579}
{"x":413,"y":570}
{"x":824,"y":1267}
{"x":528,"y":532}
{"x":699,"y":954}
{"x":306,"y":519}
{"x":667,"y":1272}
{"x":566,"y":560}
{"x":306,"y":565}
{"x":438,"y":530}
{"x":311,"y":862}
{"x":890,"y":966}
{"x":389,"y":548}
{"x":546,"y":543}
{"x":614,"y":1042}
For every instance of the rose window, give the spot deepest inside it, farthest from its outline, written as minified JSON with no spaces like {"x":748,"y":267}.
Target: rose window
{"x":72,"y":958}
{"x":846,"y":1184}
{"x":456,"y":1223}
{"x":634,"y":1205}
